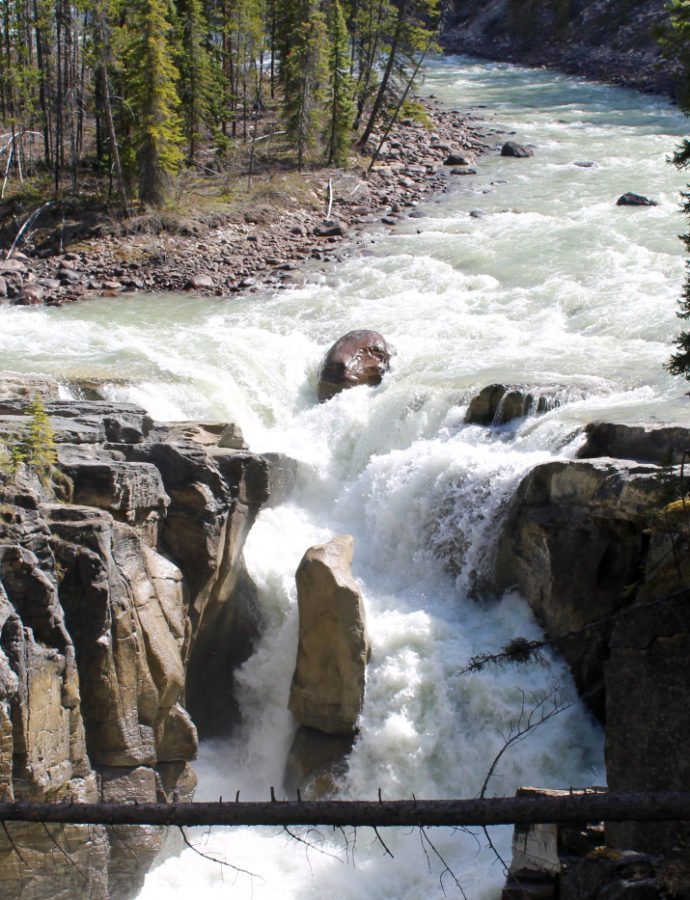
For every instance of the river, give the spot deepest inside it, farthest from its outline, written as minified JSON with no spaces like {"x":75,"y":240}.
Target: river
{"x":548,"y":281}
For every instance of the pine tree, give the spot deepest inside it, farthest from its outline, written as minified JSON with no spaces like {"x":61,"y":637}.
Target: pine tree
{"x":341,"y":88}
{"x":151,"y":78}
{"x":306,"y":74}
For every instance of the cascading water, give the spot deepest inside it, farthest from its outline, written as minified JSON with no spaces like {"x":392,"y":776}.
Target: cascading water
{"x":546,"y":282}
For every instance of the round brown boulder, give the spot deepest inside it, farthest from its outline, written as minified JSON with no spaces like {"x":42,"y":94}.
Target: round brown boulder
{"x":359,"y":357}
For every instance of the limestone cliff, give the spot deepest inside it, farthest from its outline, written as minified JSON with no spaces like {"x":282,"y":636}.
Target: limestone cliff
{"x":119,"y":605}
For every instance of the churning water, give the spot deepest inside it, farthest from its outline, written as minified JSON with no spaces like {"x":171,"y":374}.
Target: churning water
{"x":548,"y":281}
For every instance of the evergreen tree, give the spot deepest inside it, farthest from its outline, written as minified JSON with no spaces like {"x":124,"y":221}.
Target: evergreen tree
{"x":371,"y":26}
{"x":195,"y":69}
{"x":675,"y":42}
{"x":306,"y":75}
{"x":415,"y":24}
{"x":151,"y":78}
{"x":341,"y":88}
{"x":37,"y":447}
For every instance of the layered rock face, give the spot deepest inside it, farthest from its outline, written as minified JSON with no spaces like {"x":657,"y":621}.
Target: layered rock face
{"x":574,"y":538}
{"x":109,"y":605}
{"x":607,"y":575}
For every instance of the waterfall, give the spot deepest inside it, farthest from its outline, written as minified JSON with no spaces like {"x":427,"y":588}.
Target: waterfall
{"x":547,"y":282}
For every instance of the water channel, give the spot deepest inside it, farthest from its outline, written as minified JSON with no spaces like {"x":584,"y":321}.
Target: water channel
{"x":547,"y":281}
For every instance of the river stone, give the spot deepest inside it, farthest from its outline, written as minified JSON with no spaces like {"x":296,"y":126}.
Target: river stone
{"x":12,"y":267}
{"x":510,"y":148}
{"x":200,"y":282}
{"x":497,"y":404}
{"x":330,"y":228}
{"x":328,"y":684}
{"x":455,"y":159}
{"x":359,"y":357}
{"x":631,"y":199}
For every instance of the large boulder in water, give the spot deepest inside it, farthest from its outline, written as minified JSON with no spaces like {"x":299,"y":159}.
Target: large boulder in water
{"x":510,"y":148}
{"x":497,"y":404}
{"x":328,"y":684}
{"x":359,"y":357}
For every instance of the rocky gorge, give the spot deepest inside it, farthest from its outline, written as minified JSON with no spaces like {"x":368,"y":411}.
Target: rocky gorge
{"x":147,"y":526}
{"x":126,"y":608}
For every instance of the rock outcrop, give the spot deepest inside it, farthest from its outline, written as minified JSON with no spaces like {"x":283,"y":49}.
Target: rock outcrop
{"x":328,"y":684}
{"x":497,"y":404}
{"x":118,"y":610}
{"x":606,"y":572}
{"x":327,"y":689}
{"x":573,"y":540}
{"x":359,"y":357}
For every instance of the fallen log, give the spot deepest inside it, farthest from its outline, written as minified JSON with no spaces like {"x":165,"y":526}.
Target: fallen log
{"x":580,"y":807}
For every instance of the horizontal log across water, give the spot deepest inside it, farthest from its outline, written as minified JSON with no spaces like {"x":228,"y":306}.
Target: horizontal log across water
{"x":577,"y":807}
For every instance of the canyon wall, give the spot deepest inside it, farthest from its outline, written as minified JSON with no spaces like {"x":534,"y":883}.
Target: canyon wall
{"x":123,"y":600}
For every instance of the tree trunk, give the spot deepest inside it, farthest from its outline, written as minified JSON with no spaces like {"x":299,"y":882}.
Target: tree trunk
{"x":575,"y":808}
{"x":378,"y":103}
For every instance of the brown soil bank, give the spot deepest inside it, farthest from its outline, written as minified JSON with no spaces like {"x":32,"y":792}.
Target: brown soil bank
{"x":608,"y":40}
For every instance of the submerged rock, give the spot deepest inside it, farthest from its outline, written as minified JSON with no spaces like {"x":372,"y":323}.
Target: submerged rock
{"x":510,"y":148}
{"x":316,"y":762}
{"x":497,"y":404}
{"x":631,"y":199}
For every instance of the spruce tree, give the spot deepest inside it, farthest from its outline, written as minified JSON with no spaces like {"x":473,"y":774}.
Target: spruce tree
{"x":341,"y":89}
{"x":195,"y":69}
{"x":675,"y":41}
{"x":306,"y":75}
{"x":151,"y":79}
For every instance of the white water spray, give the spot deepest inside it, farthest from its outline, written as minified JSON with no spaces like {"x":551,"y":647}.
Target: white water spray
{"x":548,"y":282}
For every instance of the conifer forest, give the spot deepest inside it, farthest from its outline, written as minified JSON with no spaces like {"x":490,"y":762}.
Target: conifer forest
{"x":130,"y":92}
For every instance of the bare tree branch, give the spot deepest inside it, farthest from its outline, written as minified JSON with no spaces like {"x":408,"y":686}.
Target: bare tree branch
{"x":216,"y":859}
{"x":446,"y":868}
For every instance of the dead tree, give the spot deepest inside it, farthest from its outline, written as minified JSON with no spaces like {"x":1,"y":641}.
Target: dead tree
{"x":586,"y":807}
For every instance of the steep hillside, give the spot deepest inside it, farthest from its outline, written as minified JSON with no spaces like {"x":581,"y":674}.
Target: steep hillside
{"x":607,"y":39}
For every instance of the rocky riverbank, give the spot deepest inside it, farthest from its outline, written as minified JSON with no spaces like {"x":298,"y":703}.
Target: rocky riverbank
{"x":265,"y":244}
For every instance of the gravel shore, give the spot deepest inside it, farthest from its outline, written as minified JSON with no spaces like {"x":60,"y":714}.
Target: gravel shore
{"x":266,"y":244}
